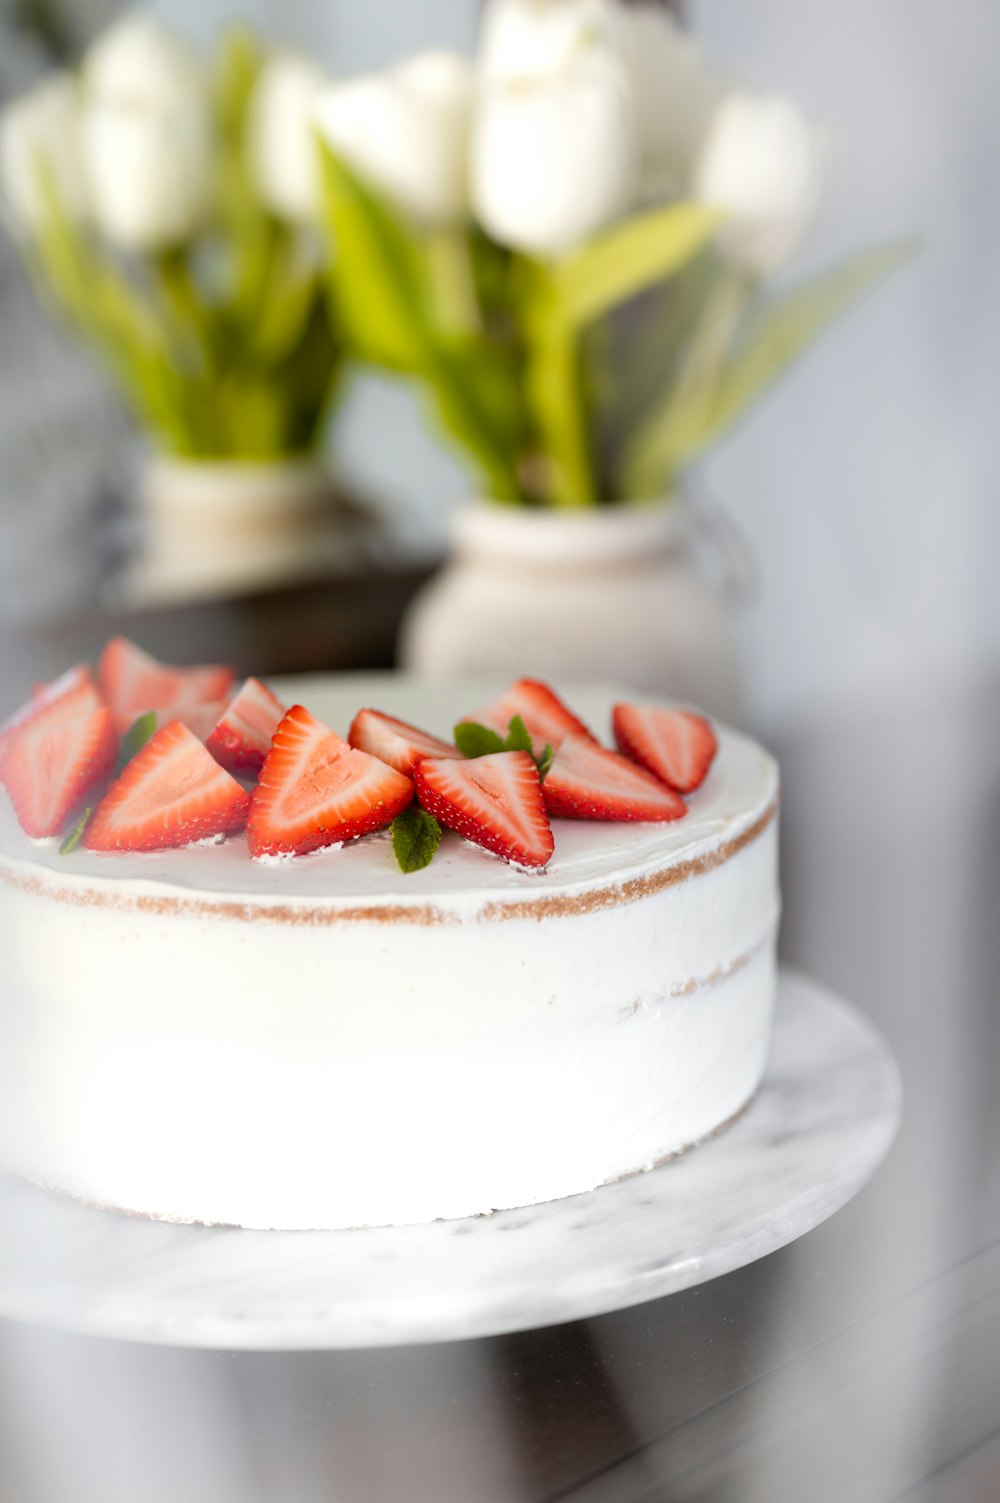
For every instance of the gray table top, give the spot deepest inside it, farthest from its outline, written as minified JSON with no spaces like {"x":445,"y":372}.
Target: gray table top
{"x":861,"y":1363}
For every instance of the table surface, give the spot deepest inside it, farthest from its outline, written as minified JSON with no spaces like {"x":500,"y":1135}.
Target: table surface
{"x":861,"y":1364}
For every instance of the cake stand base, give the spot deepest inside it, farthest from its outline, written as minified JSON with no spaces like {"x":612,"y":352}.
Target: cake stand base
{"x":823,"y":1120}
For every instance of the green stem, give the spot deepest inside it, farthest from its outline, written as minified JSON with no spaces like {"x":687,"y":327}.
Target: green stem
{"x":453,"y":286}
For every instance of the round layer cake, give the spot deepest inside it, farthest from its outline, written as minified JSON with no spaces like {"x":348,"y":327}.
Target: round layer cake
{"x":326,"y":1042}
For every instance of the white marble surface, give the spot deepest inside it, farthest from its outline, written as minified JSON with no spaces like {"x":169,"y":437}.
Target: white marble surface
{"x":824,"y":1119}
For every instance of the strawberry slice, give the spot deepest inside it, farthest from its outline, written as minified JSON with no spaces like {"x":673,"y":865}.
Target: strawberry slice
{"x":495,"y":801}
{"x":131,"y":679}
{"x":587,"y":782}
{"x":70,"y":694}
{"x":315,"y":790}
{"x":241,"y":735}
{"x":171,"y":793}
{"x":200,"y":719}
{"x":677,"y":746}
{"x":547,"y":719}
{"x":51,"y":762}
{"x":395,"y":741}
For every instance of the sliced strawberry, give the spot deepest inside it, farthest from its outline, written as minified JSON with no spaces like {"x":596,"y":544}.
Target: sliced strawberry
{"x":495,"y":801}
{"x":396,"y":742}
{"x":547,"y":719}
{"x":199,"y":718}
{"x":242,"y":734}
{"x":171,"y":793}
{"x":51,"y":762}
{"x":587,"y":782}
{"x":677,"y":746}
{"x":316,"y":790}
{"x":68,"y":695}
{"x":131,"y":679}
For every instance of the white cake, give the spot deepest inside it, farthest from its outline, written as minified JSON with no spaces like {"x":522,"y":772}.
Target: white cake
{"x":326,"y":1042}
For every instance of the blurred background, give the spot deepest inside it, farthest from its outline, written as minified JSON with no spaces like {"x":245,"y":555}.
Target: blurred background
{"x":840,"y":545}
{"x":862,"y":489}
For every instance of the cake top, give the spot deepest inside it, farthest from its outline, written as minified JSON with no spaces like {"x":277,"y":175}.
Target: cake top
{"x":362,"y":878}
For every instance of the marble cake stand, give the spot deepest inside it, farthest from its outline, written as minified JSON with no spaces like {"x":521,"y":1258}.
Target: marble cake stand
{"x":823,"y":1120}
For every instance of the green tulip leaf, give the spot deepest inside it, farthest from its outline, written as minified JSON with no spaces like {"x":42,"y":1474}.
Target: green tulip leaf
{"x":621,"y":262}
{"x":401,"y":310}
{"x":377,"y":281}
{"x":766,"y":343}
{"x":775,"y":337}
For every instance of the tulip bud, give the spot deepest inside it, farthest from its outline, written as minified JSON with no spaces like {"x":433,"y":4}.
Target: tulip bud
{"x":405,"y":131}
{"x":675,"y":96}
{"x":281,"y":140}
{"x":764,"y":164}
{"x":148,"y":136}
{"x":39,"y":139}
{"x":555,"y":152}
{"x":523,"y":39}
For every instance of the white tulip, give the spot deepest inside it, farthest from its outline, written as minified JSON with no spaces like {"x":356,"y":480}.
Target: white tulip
{"x":281,"y":140}
{"x":534,"y":39}
{"x":405,"y":132}
{"x":148,"y":136}
{"x":39,"y":138}
{"x":555,"y":147}
{"x":675,"y":96}
{"x":764,"y":164}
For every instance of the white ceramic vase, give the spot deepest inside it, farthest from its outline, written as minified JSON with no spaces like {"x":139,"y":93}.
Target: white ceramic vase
{"x":219,"y":526}
{"x":614,"y":595}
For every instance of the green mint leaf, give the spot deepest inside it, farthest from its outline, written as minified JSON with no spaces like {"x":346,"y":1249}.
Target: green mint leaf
{"x":545,"y":760}
{"x":76,"y":834}
{"x":416,"y":835}
{"x":475,"y":740}
{"x":135,"y":738}
{"x":517,"y":736}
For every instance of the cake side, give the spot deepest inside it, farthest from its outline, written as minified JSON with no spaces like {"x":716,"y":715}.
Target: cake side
{"x":343,"y":1078}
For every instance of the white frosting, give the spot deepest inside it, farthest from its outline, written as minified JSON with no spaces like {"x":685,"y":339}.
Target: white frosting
{"x":200,"y":1036}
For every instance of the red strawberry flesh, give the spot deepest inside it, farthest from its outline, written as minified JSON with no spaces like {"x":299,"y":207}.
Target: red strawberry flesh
{"x":396,"y":742}
{"x":241,"y":737}
{"x":676,"y":746}
{"x":71,"y":693}
{"x":171,"y":793}
{"x":51,"y":763}
{"x":587,"y":782}
{"x":315,"y":790}
{"x":132,"y":679}
{"x":545,"y":716}
{"x":495,"y":801}
{"x":199,"y":718}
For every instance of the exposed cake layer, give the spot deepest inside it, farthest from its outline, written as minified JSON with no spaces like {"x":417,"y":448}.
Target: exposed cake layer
{"x":327,"y":1042}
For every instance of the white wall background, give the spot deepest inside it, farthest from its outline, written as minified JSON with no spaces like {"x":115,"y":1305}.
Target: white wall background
{"x":870,"y":484}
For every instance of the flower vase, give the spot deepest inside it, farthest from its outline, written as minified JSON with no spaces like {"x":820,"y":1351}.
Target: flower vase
{"x":613,"y":595}
{"x":211,"y":527}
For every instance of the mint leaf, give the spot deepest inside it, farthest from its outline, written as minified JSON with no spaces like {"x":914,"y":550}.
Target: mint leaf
{"x":416,"y":835}
{"x":75,"y":835}
{"x":475,"y":740}
{"x":135,"y":738}
{"x":517,"y":736}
